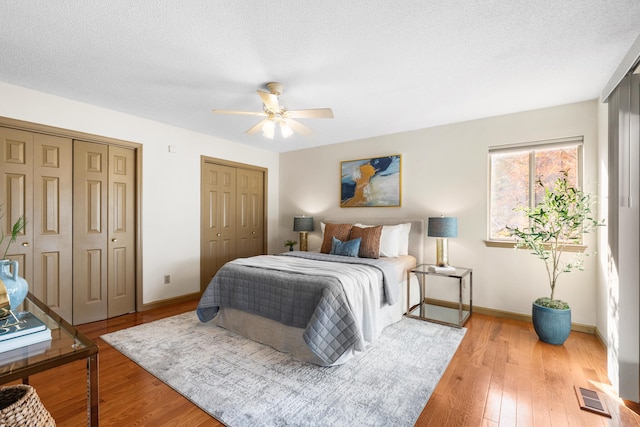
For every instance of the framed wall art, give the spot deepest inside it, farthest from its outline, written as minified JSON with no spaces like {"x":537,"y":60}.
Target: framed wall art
{"x":373,"y":182}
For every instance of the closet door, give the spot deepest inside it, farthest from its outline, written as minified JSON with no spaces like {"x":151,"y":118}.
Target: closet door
{"x":52,"y":223}
{"x":218,"y":219}
{"x":36,"y":182}
{"x":16,"y":197}
{"x":250,"y":212}
{"x":90,"y":233}
{"x":121,"y":238}
{"x":104,"y":232}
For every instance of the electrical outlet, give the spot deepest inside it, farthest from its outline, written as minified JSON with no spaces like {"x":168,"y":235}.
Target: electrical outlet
{"x":167,"y":279}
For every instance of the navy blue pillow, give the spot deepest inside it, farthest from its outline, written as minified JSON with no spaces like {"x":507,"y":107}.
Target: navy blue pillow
{"x":349,"y":248}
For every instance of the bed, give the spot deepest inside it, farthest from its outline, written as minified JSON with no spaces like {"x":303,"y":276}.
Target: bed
{"x":322,"y":306}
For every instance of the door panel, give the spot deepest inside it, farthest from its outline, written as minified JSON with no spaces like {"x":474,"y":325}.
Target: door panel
{"x":90,"y":235}
{"x":121,"y":239}
{"x":16,"y":194}
{"x":52,"y":223}
{"x":250,"y":212}
{"x":218,"y":210}
{"x":36,"y":182}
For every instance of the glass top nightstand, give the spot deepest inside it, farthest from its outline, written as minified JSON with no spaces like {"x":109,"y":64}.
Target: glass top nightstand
{"x":447,"y":312}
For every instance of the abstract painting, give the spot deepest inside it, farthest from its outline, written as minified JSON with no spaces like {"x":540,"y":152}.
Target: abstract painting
{"x":371,"y":182}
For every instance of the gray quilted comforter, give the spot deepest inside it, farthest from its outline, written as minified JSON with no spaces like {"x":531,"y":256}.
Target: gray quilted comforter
{"x":307,"y":297}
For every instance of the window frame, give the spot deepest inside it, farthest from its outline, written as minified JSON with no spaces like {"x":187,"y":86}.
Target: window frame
{"x":531,"y":148}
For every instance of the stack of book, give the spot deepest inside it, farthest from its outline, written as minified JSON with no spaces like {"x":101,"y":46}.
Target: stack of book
{"x":442,"y":270}
{"x":25,"y":334}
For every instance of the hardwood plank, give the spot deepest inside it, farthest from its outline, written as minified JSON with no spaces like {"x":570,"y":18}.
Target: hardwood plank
{"x":501,"y":376}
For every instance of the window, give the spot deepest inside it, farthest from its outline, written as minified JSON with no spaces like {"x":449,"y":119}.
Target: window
{"x":514,"y":172}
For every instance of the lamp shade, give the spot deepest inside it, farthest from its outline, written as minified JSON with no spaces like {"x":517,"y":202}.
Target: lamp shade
{"x":302,"y":223}
{"x":443,"y":227}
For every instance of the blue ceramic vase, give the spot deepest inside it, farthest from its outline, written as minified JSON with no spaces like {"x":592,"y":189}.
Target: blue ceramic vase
{"x":17,"y":287}
{"x":552,"y":325}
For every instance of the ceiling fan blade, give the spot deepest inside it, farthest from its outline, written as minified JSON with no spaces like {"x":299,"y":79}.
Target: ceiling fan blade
{"x":255,"y":128}
{"x":245,"y":113}
{"x":313,"y":113}
{"x":270,"y":100}
{"x":299,"y":128}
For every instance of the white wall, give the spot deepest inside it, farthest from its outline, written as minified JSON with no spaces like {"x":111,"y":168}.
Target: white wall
{"x":444,"y":171}
{"x":170,"y":181}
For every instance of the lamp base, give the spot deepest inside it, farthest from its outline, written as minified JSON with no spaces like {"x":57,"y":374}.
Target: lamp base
{"x":303,"y":240}
{"x":442,"y":252}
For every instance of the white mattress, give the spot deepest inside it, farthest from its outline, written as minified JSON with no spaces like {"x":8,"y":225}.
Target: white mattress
{"x":401,"y":265}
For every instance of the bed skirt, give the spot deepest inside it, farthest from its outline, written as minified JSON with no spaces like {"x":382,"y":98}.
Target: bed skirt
{"x":289,"y":339}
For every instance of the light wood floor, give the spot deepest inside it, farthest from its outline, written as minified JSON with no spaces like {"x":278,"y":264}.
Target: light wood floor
{"x":501,"y":375}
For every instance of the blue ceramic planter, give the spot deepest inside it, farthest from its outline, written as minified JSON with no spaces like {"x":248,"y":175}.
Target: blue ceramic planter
{"x":552,"y":326}
{"x":16,"y":286}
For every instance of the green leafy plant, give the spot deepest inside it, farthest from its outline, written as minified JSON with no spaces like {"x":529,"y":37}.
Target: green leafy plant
{"x":559,"y":220}
{"x":17,"y":227}
{"x":290,"y":243}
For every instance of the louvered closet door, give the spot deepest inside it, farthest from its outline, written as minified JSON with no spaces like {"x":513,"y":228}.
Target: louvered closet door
{"x":218,"y":219}
{"x":250,"y":211}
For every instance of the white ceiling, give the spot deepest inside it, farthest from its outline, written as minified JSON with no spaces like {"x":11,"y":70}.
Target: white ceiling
{"x":382,"y":66}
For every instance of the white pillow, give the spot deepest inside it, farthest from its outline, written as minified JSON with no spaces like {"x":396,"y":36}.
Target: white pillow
{"x":403,"y":245}
{"x":389,"y":239}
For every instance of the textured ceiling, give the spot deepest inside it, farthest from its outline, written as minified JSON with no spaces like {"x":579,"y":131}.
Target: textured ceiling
{"x":382,"y":66}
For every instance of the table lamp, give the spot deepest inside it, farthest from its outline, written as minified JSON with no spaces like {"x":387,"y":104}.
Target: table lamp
{"x":303,"y":224}
{"x":442,"y":228}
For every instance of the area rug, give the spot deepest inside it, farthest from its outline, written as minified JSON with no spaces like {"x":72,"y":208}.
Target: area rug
{"x":243,"y":383}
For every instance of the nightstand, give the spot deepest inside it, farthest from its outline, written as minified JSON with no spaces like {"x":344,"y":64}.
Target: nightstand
{"x":445,"y":312}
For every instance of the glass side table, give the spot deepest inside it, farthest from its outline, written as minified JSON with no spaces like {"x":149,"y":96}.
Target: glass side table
{"x":67,"y":345}
{"x":456,"y":313}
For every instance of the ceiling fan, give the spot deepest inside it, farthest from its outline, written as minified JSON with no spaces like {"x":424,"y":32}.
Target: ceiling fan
{"x":274,"y":113}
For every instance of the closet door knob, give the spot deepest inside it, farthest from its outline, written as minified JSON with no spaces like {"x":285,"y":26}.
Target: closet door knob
{"x":218,"y":234}
{"x":25,"y":244}
{"x":114,"y":240}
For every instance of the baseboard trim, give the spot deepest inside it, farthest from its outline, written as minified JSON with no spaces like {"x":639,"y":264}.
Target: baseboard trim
{"x":169,"y":301}
{"x":578,"y":327}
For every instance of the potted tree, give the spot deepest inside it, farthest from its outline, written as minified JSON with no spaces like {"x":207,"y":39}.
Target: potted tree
{"x":559,"y":220}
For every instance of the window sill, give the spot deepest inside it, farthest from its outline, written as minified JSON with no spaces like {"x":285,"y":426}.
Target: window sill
{"x":511,"y":244}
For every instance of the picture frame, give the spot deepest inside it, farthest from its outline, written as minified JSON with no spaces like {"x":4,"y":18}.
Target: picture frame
{"x":371,"y":182}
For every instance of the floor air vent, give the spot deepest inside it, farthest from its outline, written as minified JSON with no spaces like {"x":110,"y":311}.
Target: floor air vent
{"x":590,"y":400}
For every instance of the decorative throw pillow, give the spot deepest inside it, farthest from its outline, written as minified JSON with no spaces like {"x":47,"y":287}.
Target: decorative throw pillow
{"x":370,"y":245}
{"x":389,"y":239}
{"x":339,"y":231}
{"x":348,"y":248}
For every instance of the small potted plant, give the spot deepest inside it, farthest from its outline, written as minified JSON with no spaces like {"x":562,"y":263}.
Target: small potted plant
{"x":290,"y":244}
{"x":559,"y":220}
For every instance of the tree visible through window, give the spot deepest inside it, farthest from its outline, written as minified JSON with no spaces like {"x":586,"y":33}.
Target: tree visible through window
{"x":514,"y":173}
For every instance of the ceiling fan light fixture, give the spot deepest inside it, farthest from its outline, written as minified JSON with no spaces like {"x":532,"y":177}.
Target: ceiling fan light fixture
{"x":273,"y":112}
{"x":285,"y":129}
{"x":268,"y":129}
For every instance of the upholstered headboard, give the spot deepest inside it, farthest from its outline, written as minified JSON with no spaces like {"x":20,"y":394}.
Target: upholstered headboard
{"x":416,"y":236}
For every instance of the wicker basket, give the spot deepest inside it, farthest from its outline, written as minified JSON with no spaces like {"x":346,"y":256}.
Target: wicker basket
{"x":21,"y":406}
